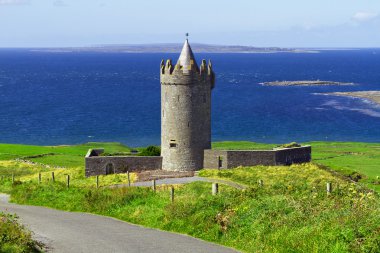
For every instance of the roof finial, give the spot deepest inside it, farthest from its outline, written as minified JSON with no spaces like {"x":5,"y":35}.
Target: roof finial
{"x":186,"y":58}
{"x":187,"y":36}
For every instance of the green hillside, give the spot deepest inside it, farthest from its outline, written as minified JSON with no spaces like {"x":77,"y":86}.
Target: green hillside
{"x":289,"y":212}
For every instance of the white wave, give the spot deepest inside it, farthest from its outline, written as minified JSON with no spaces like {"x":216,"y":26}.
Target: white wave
{"x":331,"y":103}
{"x":366,"y":111}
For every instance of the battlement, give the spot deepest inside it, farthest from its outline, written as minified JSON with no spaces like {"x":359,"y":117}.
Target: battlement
{"x":169,"y":68}
{"x":186,"y":71}
{"x":179,"y":74}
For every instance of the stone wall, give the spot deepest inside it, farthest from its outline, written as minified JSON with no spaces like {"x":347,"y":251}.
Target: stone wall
{"x":103,"y":165}
{"x":293,"y":155}
{"x":214,"y":159}
{"x":226,"y":159}
{"x":250,"y":158}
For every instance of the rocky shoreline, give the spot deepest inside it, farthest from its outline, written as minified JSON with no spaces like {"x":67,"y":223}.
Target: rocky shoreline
{"x":306,"y":83}
{"x":373,"y":96}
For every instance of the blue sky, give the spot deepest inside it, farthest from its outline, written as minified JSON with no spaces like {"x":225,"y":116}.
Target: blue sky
{"x":290,"y":23}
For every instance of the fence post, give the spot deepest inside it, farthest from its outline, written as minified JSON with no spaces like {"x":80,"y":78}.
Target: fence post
{"x":39,"y":177}
{"x":97,"y":181}
{"x":261,"y":182}
{"x":52,"y":177}
{"x":172,"y":194}
{"x":13,"y":178}
{"x":68,"y":181}
{"x":129,"y":179}
{"x":215,"y":188}
{"x":154,"y":185}
{"x":328,"y":188}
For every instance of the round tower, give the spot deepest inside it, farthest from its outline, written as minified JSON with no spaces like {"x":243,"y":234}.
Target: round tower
{"x":185,"y":111}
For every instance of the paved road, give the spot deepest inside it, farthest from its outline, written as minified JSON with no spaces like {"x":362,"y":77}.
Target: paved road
{"x":80,"y":232}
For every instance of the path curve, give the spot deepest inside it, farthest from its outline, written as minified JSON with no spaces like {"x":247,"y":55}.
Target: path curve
{"x":81,"y":232}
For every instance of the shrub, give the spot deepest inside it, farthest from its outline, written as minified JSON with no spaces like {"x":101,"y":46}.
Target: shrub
{"x":151,"y":151}
{"x":290,"y":145}
{"x":13,"y":236}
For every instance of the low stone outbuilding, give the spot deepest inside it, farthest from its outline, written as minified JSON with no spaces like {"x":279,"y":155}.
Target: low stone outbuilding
{"x":96,"y":164}
{"x":227,"y":159}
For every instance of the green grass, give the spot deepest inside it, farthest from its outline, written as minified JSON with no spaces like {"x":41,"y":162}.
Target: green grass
{"x":241,"y":145}
{"x":290,"y":213}
{"x":59,"y":156}
{"x":347,"y":158}
{"x":14,"y":237}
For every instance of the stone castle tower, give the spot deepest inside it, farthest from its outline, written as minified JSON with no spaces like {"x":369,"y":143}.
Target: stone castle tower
{"x":185,"y":111}
{"x":186,"y":129}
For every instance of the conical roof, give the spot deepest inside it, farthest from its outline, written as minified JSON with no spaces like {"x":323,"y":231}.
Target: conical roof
{"x":186,"y":59}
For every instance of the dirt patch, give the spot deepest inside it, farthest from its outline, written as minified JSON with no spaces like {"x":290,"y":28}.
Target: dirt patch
{"x":161,"y":174}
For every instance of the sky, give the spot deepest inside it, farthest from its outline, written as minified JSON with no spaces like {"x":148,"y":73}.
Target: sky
{"x":263,"y":23}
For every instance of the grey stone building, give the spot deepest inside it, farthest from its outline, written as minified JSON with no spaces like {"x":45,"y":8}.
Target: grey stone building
{"x":185,"y":111}
{"x":186,"y":128}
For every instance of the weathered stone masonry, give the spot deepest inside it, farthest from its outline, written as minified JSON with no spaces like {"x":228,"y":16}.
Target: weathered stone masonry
{"x":103,"y":165}
{"x":213,"y":159}
{"x":185,"y":111}
{"x":227,"y":159}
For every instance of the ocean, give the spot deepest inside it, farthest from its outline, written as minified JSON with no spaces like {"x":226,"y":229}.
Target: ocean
{"x":49,"y":98}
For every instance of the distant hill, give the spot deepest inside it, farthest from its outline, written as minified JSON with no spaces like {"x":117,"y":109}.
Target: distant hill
{"x":173,"y":48}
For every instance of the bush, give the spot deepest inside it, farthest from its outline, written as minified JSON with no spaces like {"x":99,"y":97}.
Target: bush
{"x":290,"y":145}
{"x":151,"y":151}
{"x":13,"y":236}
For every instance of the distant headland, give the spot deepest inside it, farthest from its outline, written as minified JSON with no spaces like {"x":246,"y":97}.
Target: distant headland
{"x":373,"y":96}
{"x":306,"y":83}
{"x":174,"y":48}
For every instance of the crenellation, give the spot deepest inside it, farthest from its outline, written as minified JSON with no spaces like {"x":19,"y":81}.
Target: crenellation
{"x":169,"y":67}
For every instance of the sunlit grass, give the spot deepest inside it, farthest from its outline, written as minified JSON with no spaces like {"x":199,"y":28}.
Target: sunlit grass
{"x":347,"y":158}
{"x":14,"y":237}
{"x":28,"y":172}
{"x":290,"y":212}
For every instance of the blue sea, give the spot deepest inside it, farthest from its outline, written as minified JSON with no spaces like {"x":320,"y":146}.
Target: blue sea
{"x":49,"y":98}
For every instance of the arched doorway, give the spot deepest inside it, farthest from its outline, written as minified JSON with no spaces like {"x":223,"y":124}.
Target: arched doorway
{"x":110,"y":169}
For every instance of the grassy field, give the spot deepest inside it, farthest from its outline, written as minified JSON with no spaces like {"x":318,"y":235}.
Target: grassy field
{"x":56,"y":156}
{"x":28,"y":161}
{"x":348,"y":158}
{"x":291,"y":212}
{"x":241,"y":145}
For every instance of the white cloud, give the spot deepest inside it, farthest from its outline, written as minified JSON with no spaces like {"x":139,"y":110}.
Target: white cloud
{"x":363,"y":16}
{"x":14,"y":2}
